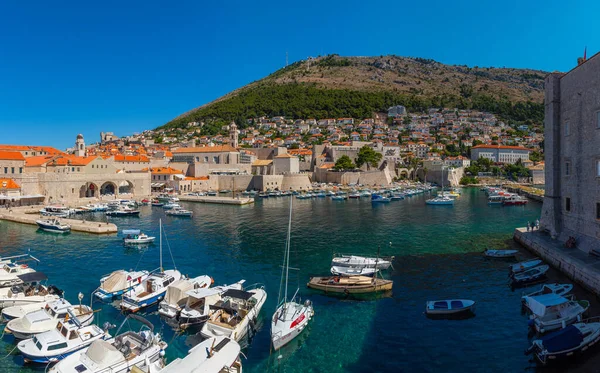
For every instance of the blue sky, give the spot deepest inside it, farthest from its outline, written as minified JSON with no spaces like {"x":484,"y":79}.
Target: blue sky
{"x":71,"y":67}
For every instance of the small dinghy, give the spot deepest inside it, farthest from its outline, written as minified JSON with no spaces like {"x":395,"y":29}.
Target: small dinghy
{"x":43,"y":320}
{"x":553,"y":312}
{"x":53,"y":226}
{"x":54,"y":345}
{"x":558,"y":289}
{"x":352,"y":271}
{"x":218,"y":355}
{"x":179,"y":212}
{"x":530,"y":275}
{"x":123,"y":211}
{"x":523,"y":266}
{"x":450,"y":307}
{"x":118,"y":282}
{"x":573,"y":339}
{"x":176,"y":296}
{"x":500,"y":254}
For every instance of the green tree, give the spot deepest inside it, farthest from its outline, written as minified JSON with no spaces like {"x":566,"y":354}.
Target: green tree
{"x":536,"y":156}
{"x":368,"y":156}
{"x":344,"y":163}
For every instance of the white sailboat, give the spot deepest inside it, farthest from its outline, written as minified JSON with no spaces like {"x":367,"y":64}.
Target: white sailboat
{"x":291,"y":318}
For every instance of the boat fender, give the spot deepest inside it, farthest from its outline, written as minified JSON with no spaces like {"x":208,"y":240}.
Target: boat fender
{"x":24,"y":266}
{"x":161,"y":353}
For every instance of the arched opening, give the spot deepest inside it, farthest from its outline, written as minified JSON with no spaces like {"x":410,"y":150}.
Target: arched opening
{"x":108,"y":188}
{"x":404,"y":174}
{"x":88,"y":190}
{"x":125,"y":187}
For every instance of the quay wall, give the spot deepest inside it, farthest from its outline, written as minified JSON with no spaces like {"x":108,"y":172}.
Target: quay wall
{"x":572,"y":263}
{"x":374,"y":178}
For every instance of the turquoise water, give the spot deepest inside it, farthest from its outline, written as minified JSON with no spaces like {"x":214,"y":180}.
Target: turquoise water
{"x":436,"y":249}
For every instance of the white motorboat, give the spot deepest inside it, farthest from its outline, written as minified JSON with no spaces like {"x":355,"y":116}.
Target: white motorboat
{"x":138,"y":239}
{"x":97,"y":207}
{"x":214,"y":355}
{"x":10,"y":272}
{"x":171,"y":205}
{"x":57,"y":211}
{"x":523,"y":266}
{"x":43,"y":320}
{"x":352,"y":271}
{"x":566,"y":343}
{"x":450,"y":307}
{"x":440,"y":200}
{"x":291,"y":317}
{"x":140,"y":349}
{"x":500,"y":254}
{"x":54,"y":345}
{"x":119,"y":282}
{"x":356,"y":261}
{"x":179,"y":212}
{"x":123,"y":211}
{"x":197,"y":308}
{"x":53,"y":226}
{"x":29,"y":291}
{"x":15,"y":312}
{"x":558,"y":289}
{"x":152,"y":289}
{"x":530,"y":275}
{"x":552,"y":312}
{"x":176,"y":296}
{"x":235,"y":313}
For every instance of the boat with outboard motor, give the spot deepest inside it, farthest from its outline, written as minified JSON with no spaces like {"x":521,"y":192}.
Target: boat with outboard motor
{"x":500,"y":254}
{"x":118,"y":282}
{"x":123,"y":211}
{"x":350,"y":285}
{"x":353,"y":271}
{"x":530,"y":275}
{"x":558,"y":289}
{"x":68,"y":337}
{"x":523,"y":266}
{"x":356,"y":261}
{"x":57,"y":211}
{"x":136,"y":237}
{"x":176,"y":296}
{"x":551,"y":311}
{"x":197,"y":308}
{"x":123,"y":354}
{"x":43,"y":320}
{"x":565,"y":343}
{"x":29,"y":291}
{"x":53,"y":226}
{"x":450,"y":307}
{"x":179,"y":212}
{"x":235,"y":313}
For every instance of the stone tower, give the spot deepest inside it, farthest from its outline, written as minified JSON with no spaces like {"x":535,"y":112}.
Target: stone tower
{"x":233,"y":135}
{"x":80,"y":146}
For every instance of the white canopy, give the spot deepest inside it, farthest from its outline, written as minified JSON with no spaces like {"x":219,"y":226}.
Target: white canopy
{"x":116,"y":281}
{"x":177,"y":291}
{"x":103,"y":354}
{"x":223,"y":353}
{"x":538,"y":304}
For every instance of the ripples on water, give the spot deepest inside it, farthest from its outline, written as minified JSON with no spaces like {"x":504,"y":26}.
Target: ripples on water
{"x":434,"y":246}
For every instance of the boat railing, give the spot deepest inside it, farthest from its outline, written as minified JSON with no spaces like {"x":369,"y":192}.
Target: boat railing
{"x":254,"y":286}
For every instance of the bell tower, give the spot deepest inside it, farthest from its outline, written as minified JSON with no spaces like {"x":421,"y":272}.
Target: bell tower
{"x":233,"y":135}
{"x":80,"y":150}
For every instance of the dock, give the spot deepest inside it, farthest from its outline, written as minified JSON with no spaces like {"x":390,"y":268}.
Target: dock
{"x":578,"y":265}
{"x":218,"y":200}
{"x":28,"y":216}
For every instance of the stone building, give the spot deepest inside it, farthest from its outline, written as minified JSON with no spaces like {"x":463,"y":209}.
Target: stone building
{"x":80,"y":146}
{"x":572,"y":154}
{"x":500,"y":153}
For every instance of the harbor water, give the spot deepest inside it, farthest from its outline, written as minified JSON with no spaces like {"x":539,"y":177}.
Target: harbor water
{"x":438,"y":256}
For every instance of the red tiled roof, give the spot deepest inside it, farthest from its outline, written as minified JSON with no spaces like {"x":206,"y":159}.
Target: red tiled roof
{"x":131,"y":158}
{"x":8,"y":184}
{"x":13,"y":156}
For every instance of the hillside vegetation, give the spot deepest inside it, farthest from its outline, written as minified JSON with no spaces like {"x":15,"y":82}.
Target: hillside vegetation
{"x":334,"y":86}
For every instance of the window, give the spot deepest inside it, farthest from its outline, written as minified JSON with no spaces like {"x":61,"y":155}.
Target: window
{"x":567,"y":168}
{"x":5,"y":170}
{"x":20,"y":170}
{"x":598,"y":168}
{"x":57,"y":346}
{"x":12,"y":170}
{"x":567,"y":129}
{"x":72,"y":169}
{"x":598,"y":210}
{"x":568,"y":204}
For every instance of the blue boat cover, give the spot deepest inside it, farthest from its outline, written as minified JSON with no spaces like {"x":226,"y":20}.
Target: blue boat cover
{"x":563,"y":339}
{"x":131,"y":231}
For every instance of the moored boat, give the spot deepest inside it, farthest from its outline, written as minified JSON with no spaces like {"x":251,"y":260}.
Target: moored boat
{"x":565,"y":343}
{"x":118,"y":282}
{"x":179,"y":212}
{"x":123,"y":211}
{"x":350,"y":285}
{"x":176,"y":296}
{"x":523,"y":266}
{"x":450,"y":307}
{"x":500,"y":254}
{"x":214,"y":355}
{"x":514,"y":200}
{"x":551,"y":311}
{"x":138,"y":239}
{"x":377,"y":198}
{"x":29,"y":291}
{"x":558,"y":289}
{"x":356,"y":261}
{"x":440,"y":200}
{"x":53,"y":226}
{"x":530,"y":275}
{"x":352,"y":271}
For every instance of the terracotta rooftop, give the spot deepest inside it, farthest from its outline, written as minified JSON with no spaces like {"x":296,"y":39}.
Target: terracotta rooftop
{"x":13,"y":156}
{"x":8,"y":184}
{"x":165,"y":171}
{"x":262,"y":162}
{"x":131,"y":158}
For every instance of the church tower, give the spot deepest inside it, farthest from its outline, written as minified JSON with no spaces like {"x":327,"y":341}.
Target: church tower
{"x":80,"y":146}
{"x":233,"y":135}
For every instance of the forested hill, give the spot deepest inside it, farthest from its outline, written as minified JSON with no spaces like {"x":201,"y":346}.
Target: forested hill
{"x":334,"y":86}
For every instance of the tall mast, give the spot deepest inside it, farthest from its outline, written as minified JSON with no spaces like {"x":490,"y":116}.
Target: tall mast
{"x":160,"y":245}
{"x":287,"y":253}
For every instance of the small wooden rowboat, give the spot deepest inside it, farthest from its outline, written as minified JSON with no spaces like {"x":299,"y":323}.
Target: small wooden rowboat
{"x":350,"y":285}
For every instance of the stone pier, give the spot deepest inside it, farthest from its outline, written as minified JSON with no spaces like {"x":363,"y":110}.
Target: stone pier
{"x":577,"y":264}
{"x":25,"y":216}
